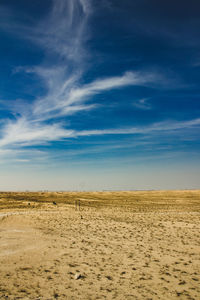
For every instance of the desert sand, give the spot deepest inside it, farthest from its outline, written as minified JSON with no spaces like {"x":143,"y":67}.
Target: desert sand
{"x":118,"y":245}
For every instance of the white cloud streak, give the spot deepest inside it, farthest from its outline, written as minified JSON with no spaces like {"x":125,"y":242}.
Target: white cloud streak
{"x":25,"y":133}
{"x":22,"y":134}
{"x":156,"y":127}
{"x":63,"y":36}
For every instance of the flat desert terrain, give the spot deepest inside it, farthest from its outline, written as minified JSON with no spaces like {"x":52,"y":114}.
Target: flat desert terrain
{"x":116,"y":245}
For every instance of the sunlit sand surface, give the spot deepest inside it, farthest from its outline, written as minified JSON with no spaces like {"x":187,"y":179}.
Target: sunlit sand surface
{"x":117,"y":245}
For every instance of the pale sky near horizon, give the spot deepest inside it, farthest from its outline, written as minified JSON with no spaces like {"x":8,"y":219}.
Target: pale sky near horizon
{"x":99,"y":95}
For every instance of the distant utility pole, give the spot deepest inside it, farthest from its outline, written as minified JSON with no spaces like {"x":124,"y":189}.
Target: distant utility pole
{"x":78,"y":205}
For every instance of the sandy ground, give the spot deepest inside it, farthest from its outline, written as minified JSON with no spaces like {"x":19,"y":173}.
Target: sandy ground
{"x":131,"y":245}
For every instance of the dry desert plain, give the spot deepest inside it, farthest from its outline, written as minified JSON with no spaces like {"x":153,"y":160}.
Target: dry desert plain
{"x":119,"y":245}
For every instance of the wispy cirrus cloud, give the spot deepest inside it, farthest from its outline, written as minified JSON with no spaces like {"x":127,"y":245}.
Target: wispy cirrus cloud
{"x":156,"y":127}
{"x":63,"y":36}
{"x":22,"y":133}
{"x":71,"y":96}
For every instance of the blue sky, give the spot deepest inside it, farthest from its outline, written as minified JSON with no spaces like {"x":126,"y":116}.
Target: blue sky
{"x":99,"y":94}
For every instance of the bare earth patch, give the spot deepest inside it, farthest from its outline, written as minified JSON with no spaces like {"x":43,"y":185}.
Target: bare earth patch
{"x":120,"y":245}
